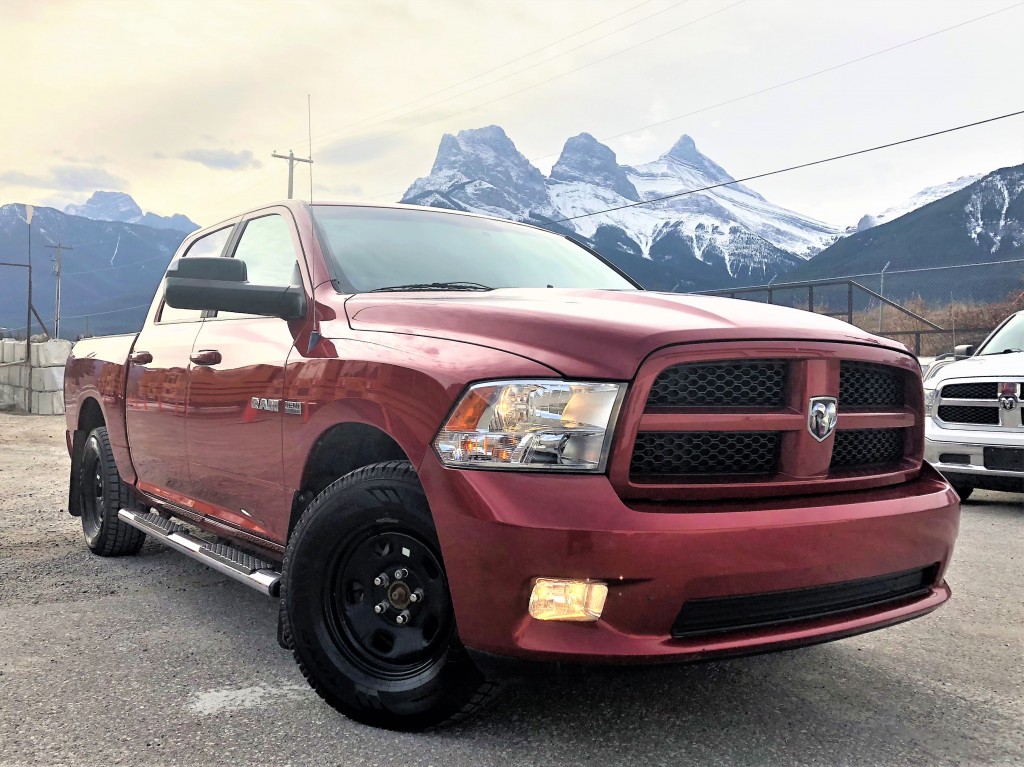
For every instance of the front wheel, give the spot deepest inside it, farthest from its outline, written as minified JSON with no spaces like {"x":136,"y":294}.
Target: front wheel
{"x":366,"y":607}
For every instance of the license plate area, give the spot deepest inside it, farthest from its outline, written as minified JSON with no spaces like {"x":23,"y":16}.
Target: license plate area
{"x":1004,"y":458}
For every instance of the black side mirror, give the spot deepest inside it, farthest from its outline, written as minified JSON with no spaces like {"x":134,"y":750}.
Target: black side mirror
{"x":963,"y":351}
{"x":219,"y":284}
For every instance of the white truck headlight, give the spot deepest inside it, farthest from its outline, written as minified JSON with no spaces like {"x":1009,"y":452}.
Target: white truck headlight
{"x":929,"y":401}
{"x":532,"y":425}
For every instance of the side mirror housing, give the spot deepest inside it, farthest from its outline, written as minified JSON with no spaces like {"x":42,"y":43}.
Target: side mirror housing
{"x":220,"y":284}
{"x":963,"y":351}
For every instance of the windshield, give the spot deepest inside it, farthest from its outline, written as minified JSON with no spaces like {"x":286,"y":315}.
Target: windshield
{"x":401,"y":249}
{"x":1009,"y":338}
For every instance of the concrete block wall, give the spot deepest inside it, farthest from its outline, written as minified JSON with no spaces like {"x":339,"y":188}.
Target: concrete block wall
{"x":39,"y":390}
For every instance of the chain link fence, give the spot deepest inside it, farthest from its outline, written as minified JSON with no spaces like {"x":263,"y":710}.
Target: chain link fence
{"x":931,"y":309}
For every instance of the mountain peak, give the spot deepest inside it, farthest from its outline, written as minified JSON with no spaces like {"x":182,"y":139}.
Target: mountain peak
{"x":121,"y":207}
{"x":585,"y":159}
{"x":107,"y":206}
{"x":685,"y":152}
{"x":481,"y":169}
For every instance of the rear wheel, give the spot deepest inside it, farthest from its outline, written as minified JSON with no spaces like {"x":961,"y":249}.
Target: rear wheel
{"x":366,"y":607}
{"x":101,"y":495}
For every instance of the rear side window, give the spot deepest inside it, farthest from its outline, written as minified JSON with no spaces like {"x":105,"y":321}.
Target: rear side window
{"x":212,"y":245}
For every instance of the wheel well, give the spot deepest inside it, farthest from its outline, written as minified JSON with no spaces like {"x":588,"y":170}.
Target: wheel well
{"x":339,"y":451}
{"x":90,"y":416}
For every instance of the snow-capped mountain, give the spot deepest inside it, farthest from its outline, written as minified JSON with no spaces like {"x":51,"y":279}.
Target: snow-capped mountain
{"x":709,"y":238}
{"x":118,"y":206}
{"x":109,"y":277}
{"x":981,"y":223}
{"x":919,"y":200}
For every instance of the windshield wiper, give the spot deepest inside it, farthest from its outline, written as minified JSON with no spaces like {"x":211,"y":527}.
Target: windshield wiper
{"x":414,"y":286}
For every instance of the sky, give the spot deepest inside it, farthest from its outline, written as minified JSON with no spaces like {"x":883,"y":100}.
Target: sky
{"x":181,"y":103}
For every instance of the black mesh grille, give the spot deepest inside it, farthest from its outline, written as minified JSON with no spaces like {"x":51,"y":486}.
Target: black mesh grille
{"x":721,"y":384}
{"x":863,"y":384}
{"x":867,"y":447}
{"x":750,"y":452}
{"x":978,"y":390}
{"x":708,"y":616}
{"x":987,"y":416}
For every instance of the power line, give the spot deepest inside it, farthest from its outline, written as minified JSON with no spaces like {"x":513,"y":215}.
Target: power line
{"x":794,"y":167}
{"x":542,"y":82}
{"x":502,"y":66}
{"x":112,"y":311}
{"x":507,"y":75}
{"x":799,"y":79}
{"x":771,"y":87}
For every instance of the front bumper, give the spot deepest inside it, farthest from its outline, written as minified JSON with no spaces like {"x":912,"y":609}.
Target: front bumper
{"x":499,"y":530}
{"x":942,"y":445}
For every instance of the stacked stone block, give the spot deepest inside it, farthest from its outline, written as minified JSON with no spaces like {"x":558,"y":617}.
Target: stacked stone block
{"x":36,"y":390}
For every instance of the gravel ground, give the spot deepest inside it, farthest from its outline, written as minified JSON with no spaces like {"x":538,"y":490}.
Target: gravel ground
{"x":155,"y":659}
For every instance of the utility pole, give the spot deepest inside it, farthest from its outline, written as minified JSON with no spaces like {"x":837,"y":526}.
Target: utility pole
{"x":292,"y":159}
{"x":60,"y":248}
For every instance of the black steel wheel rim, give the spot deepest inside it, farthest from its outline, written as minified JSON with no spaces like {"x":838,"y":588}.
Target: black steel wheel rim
{"x":387,"y":603}
{"x":93,"y":501}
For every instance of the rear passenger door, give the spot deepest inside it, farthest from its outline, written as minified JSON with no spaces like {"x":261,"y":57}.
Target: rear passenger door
{"x":235,"y":401}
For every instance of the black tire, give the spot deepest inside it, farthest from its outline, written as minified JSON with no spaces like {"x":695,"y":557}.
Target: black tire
{"x":101,"y":495}
{"x":401,"y":666}
{"x":964,"y":491}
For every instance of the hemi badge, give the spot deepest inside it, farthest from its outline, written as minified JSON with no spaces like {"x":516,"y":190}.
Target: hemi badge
{"x":292,"y":408}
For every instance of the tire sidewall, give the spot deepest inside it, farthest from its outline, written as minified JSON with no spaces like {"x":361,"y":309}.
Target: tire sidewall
{"x":93,"y":461}
{"x":334,"y":521}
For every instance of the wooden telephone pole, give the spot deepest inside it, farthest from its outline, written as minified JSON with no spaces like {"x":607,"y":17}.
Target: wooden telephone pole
{"x":292,"y":159}
{"x":60,"y":248}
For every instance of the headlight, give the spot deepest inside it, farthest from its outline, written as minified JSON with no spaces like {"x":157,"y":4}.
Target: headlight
{"x":532,"y":425}
{"x":929,"y":401}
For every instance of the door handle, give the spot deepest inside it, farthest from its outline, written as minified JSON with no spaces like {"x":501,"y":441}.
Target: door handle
{"x":206,"y":357}
{"x":141,"y":358}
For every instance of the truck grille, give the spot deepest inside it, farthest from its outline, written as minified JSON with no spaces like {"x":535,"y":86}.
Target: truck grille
{"x":987,"y":416}
{"x":866,"y":385}
{"x":724,"y":384}
{"x":710,"y":430}
{"x":867,"y":447}
{"x":750,"y":611}
{"x":977,"y":390}
{"x":659,"y":453}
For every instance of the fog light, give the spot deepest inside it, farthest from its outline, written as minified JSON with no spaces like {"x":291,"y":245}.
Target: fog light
{"x":554,"y":599}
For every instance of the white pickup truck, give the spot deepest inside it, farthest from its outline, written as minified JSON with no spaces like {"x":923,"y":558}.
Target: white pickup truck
{"x":975,"y":433}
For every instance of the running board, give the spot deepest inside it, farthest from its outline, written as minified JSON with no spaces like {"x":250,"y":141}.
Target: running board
{"x":244,"y":568}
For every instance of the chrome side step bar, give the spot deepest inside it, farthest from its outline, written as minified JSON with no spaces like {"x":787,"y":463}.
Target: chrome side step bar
{"x":244,"y":568}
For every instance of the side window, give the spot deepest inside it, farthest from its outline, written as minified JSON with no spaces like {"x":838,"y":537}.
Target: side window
{"x":268,"y":251}
{"x":211,"y":244}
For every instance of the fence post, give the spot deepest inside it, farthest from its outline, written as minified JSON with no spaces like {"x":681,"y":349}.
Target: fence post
{"x":849,"y":302}
{"x":810,"y":298}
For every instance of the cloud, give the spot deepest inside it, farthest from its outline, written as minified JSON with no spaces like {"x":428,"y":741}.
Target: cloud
{"x":69,"y":178}
{"x":222,"y":159}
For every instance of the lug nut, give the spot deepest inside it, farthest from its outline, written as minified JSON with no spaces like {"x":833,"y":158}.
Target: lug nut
{"x":400,"y":573}
{"x":416,"y":596}
{"x":380,"y":607}
{"x":381,"y":580}
{"x":402,"y":618}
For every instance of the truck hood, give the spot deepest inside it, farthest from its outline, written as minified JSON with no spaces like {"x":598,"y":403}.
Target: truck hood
{"x":1008,"y":367}
{"x":591,"y":333}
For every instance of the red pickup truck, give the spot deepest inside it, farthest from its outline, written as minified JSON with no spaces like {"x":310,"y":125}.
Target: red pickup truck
{"x":447,"y":441}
